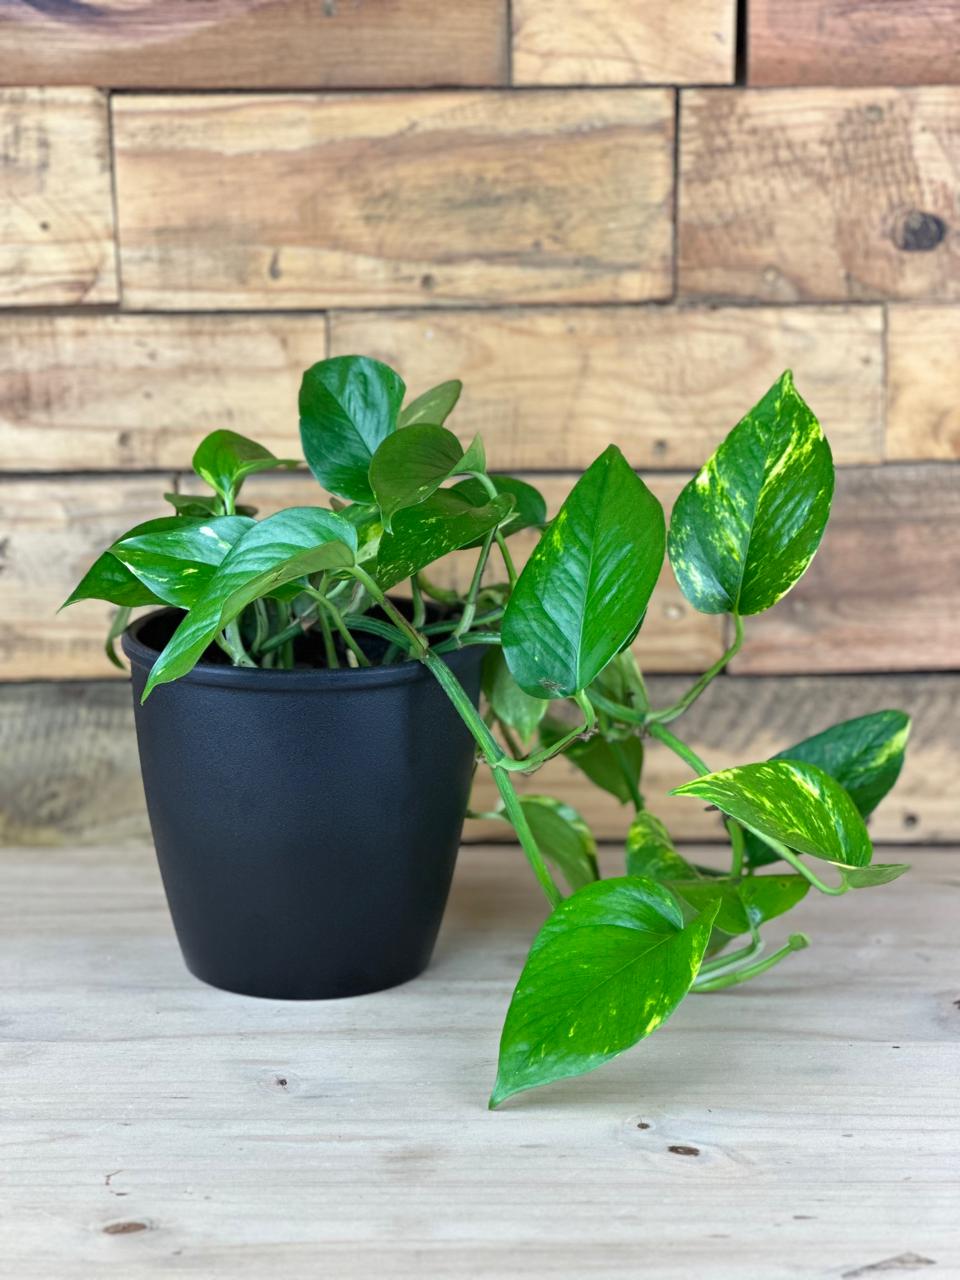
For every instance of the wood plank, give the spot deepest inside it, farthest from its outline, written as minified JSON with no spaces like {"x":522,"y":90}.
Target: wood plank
{"x":56,"y":217}
{"x":129,"y":392}
{"x":602,"y":42}
{"x":53,"y":532}
{"x":553,"y":387}
{"x":819,"y":194}
{"x":923,"y":383}
{"x":238,"y":44}
{"x":884,"y":590}
{"x":71,"y":772}
{"x":150,"y":1123}
{"x":401,"y":199}
{"x":853,"y":42}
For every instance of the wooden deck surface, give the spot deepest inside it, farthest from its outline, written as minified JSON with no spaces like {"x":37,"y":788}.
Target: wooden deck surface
{"x":806,"y":1125}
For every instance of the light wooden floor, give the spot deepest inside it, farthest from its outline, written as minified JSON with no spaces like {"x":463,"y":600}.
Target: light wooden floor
{"x":807,"y":1125}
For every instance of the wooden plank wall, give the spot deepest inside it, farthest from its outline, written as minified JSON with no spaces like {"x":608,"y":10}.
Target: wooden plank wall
{"x":614,"y":222}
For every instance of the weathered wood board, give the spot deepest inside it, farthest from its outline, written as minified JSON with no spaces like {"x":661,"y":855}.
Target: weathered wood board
{"x":591,"y":42}
{"x":71,"y":772}
{"x":137,"y":392}
{"x":152,"y":1125}
{"x":806,"y":195}
{"x":923,"y":383}
{"x":56,"y":216}
{"x":553,"y":387}
{"x":853,"y":42}
{"x":883,"y":592}
{"x":460,"y":197}
{"x":255,"y":44}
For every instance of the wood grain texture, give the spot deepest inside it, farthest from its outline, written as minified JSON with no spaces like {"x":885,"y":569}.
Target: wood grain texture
{"x":553,"y":387}
{"x":820,"y":194}
{"x":883,"y":592}
{"x":71,"y":771}
{"x":136,"y":392}
{"x":853,"y":42}
{"x":56,"y":217}
{"x":923,"y":383}
{"x":401,"y":199}
{"x":151,"y":1124}
{"x":591,"y":42}
{"x":255,"y":44}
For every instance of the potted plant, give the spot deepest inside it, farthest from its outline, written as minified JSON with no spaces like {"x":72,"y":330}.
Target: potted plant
{"x":307,"y":740}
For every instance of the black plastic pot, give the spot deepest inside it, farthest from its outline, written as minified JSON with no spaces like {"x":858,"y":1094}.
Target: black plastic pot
{"x":307,"y":821}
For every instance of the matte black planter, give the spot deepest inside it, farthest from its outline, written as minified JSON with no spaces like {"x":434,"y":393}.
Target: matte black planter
{"x":306,"y":822}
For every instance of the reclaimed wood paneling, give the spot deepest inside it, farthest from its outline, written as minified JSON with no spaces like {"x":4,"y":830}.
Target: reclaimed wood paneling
{"x":56,"y":218}
{"x":71,"y":771}
{"x":923,"y":383}
{"x":137,"y":392}
{"x":853,"y":42}
{"x":402,"y":199}
{"x":255,"y":44}
{"x":883,"y":593}
{"x":552,"y":388}
{"x":820,"y":194}
{"x":591,"y":42}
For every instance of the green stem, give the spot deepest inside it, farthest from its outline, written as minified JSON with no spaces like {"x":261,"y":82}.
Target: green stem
{"x":833,"y":891}
{"x":470,"y":604}
{"x":667,"y":714}
{"x":345,"y":635}
{"x":616,"y":709}
{"x":419,"y":608}
{"x":738,"y":846}
{"x":518,"y":819}
{"x":527,"y":764}
{"x":329,"y":647}
{"x":687,"y":754}
{"x":441,"y":628}
{"x":234,"y":645}
{"x":732,"y":959}
{"x":797,"y":942}
{"x":507,"y":559}
{"x":442,"y":595}
{"x":474,"y":637}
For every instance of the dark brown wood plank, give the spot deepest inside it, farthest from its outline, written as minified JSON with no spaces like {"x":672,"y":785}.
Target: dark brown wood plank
{"x":255,"y":44}
{"x":394,"y":199}
{"x":853,"y":42}
{"x":883,"y":592}
{"x":820,"y":194}
{"x":71,"y":771}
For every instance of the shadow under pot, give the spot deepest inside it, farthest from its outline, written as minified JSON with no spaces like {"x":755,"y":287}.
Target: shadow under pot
{"x":306,"y":822}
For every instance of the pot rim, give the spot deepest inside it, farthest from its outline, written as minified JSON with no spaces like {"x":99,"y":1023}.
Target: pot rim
{"x":302,"y":680}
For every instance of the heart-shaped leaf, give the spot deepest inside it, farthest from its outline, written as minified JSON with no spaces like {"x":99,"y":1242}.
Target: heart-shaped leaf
{"x":608,"y":967}
{"x":607,"y":763}
{"x":584,"y":590}
{"x":508,"y":702}
{"x":747,"y":525}
{"x":650,"y":851}
{"x":435,"y":527}
{"x":865,"y":755}
{"x":867,"y":877}
{"x":177,"y":562}
{"x":278,"y":550}
{"x":530,"y":509}
{"x":795,"y":803}
{"x":224,"y":459}
{"x":434,"y":405}
{"x":109,"y":579}
{"x":410,"y":465}
{"x":563,"y":837}
{"x":348,"y":405}
{"x":743,"y":903}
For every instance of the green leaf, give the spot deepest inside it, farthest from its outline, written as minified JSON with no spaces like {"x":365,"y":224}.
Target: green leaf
{"x":867,"y":877}
{"x":793,"y":802}
{"x":530,"y":509}
{"x":865,"y":755}
{"x":177,"y":562}
{"x":117,"y":628}
{"x":434,"y":405}
{"x":600,"y":758}
{"x":563,"y":837}
{"x":108,"y":579}
{"x":348,"y":405}
{"x":424,"y":533}
{"x":203,"y":505}
{"x":224,"y":459}
{"x":608,"y":967}
{"x":746,"y":902}
{"x":410,"y":465}
{"x":584,"y":590}
{"x":747,"y":525}
{"x":278,"y":550}
{"x":650,"y":851}
{"x":508,"y":702}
